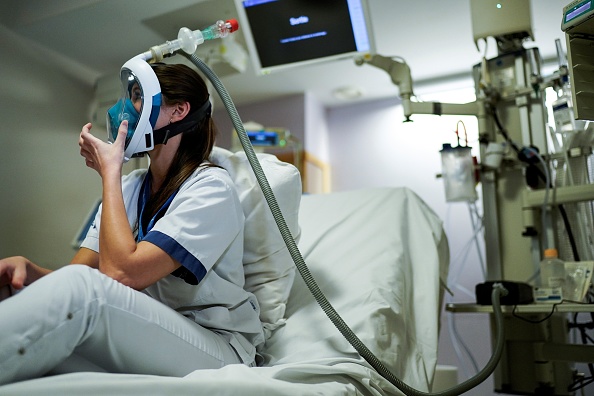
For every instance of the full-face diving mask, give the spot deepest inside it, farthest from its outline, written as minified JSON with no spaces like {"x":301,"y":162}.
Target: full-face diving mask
{"x":139,"y":105}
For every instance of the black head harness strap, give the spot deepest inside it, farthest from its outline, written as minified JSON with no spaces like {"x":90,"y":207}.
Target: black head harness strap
{"x":161,"y":135}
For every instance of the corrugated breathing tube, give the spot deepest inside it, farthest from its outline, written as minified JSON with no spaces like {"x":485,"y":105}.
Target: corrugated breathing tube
{"x":351,"y":337}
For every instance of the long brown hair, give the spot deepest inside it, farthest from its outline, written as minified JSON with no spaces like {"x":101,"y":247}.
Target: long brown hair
{"x":179,"y":83}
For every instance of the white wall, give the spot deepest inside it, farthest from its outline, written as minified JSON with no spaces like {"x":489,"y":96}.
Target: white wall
{"x":46,"y":190}
{"x":316,"y":129}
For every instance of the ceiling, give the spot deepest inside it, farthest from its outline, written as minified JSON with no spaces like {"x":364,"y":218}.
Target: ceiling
{"x":96,"y":37}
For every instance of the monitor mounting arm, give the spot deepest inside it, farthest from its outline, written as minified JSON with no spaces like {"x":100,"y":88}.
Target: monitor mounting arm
{"x":400,"y":75}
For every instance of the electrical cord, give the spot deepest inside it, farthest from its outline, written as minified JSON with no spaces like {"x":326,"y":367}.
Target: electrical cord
{"x":351,"y":337}
{"x":477,"y":226}
{"x":460,"y":348}
{"x":521,"y":156}
{"x":582,"y":327}
{"x":548,"y":185}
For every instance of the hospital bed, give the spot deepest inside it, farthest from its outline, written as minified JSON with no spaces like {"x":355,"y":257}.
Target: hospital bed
{"x":377,"y":254}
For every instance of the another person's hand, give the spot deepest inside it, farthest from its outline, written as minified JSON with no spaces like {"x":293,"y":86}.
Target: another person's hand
{"x":101,"y":156}
{"x":14,"y":272}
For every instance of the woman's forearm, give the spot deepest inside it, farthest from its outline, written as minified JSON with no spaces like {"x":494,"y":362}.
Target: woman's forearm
{"x":116,"y":241}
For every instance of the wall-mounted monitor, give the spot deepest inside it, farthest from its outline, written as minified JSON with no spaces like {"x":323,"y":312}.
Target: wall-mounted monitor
{"x":287,"y":33}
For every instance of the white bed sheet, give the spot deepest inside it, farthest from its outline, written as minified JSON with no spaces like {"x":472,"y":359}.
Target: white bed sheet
{"x":378,"y":255}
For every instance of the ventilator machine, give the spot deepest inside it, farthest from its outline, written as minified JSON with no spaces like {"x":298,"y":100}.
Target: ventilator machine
{"x":536,"y":185}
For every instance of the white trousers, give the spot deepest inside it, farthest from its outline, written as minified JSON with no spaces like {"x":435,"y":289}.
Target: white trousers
{"x":77,"y":316}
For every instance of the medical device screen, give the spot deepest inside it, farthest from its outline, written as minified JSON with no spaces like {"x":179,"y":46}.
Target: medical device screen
{"x":263,"y":138}
{"x":579,"y":10}
{"x":286,"y":32}
{"x":576,"y":13}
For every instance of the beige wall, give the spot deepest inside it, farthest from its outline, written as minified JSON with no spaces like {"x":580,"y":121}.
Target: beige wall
{"x":45,"y":188}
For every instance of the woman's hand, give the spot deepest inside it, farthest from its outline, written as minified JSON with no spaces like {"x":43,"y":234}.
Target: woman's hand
{"x":105,"y":158}
{"x":19,"y":272}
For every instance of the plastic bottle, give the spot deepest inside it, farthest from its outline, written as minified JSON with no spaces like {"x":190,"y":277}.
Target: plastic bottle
{"x":552,"y":269}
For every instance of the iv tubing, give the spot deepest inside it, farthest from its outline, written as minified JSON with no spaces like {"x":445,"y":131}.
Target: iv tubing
{"x":351,"y":337}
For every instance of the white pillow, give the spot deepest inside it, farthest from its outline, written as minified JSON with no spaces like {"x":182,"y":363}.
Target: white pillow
{"x":268,"y":266}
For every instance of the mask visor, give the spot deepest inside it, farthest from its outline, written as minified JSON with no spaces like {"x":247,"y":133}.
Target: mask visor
{"x":129,"y":107}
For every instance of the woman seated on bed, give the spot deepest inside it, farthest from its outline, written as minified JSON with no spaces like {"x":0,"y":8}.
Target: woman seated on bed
{"x":160,"y":288}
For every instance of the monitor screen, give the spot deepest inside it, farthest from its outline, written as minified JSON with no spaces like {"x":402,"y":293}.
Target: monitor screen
{"x":285,"y":33}
{"x":263,"y":138}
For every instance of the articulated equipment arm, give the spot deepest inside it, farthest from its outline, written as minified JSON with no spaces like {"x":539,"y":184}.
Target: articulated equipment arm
{"x":399,"y":73}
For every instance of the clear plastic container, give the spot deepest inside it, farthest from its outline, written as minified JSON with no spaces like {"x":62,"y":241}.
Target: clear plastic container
{"x":457,"y":169}
{"x":552,"y":269}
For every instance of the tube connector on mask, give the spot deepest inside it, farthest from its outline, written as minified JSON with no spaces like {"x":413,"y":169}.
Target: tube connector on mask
{"x":188,"y":40}
{"x":141,"y":108}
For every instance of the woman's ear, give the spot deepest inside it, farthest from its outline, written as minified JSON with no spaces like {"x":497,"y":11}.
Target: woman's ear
{"x":180,"y":111}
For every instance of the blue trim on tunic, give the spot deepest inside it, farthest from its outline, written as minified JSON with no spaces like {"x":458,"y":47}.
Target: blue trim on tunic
{"x":182,"y":272}
{"x":178,"y":252}
{"x":143,"y":197}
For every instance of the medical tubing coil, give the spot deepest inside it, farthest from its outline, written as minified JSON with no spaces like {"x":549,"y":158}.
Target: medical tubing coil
{"x":321,"y":299}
